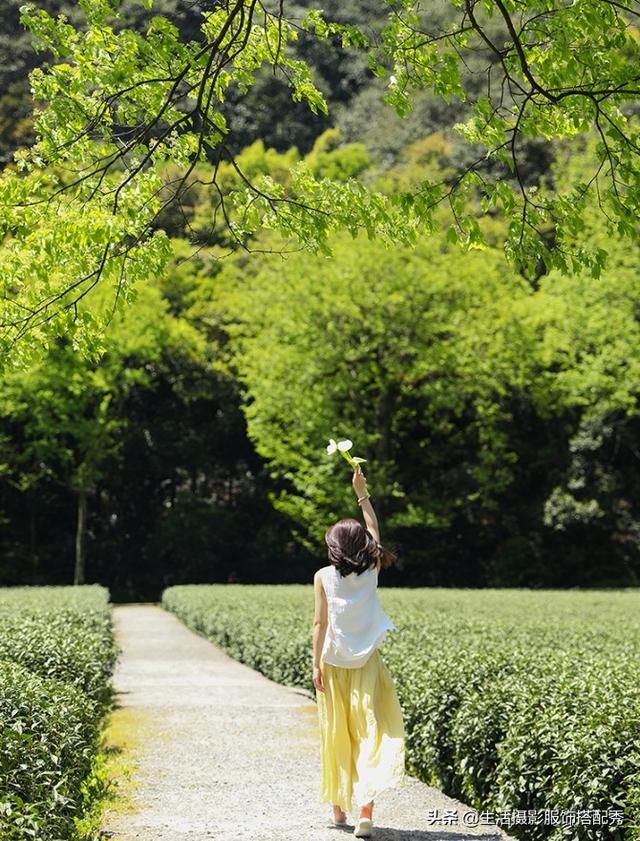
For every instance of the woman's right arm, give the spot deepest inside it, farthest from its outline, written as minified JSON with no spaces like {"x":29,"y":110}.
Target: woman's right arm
{"x":360,"y":488}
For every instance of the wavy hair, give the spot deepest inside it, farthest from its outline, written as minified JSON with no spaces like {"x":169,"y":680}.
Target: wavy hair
{"x":352,"y":548}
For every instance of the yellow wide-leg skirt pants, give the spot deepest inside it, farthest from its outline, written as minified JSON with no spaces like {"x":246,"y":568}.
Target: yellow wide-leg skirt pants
{"x":361,"y":733}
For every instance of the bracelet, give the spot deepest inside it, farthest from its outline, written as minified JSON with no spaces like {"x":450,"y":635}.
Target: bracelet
{"x":362,"y":499}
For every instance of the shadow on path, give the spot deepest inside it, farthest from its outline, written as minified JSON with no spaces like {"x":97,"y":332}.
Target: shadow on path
{"x":222,"y":752}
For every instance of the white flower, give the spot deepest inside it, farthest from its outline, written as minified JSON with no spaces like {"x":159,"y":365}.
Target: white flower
{"x":343,"y":448}
{"x":392,"y":81}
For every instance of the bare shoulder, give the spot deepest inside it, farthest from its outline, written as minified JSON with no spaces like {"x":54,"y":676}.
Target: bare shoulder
{"x":318,"y":578}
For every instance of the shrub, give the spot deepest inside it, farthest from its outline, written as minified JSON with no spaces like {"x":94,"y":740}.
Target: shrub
{"x":512,"y":699}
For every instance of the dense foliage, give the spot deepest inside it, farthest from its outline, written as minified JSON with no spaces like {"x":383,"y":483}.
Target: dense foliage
{"x":57,"y":654}
{"x":117,"y":102}
{"x":135,"y":471}
{"x":495,"y":402}
{"x":511,"y":699}
{"x":498,"y":415}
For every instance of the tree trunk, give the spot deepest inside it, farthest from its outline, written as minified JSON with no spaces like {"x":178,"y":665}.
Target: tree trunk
{"x":383,"y":418}
{"x":81,"y":538}
{"x":32,"y":542}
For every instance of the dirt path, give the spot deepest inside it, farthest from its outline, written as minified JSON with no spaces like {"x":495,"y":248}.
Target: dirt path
{"x":218,"y":751}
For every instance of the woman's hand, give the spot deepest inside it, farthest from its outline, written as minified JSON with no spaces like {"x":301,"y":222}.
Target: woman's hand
{"x":359,"y":482}
{"x":317,"y":679}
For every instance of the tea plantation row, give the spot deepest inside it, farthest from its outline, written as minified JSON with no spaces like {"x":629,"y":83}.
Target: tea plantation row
{"x":512,"y":699}
{"x":57,"y":653}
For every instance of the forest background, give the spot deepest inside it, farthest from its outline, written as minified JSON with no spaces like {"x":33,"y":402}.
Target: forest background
{"x":497,"y":409}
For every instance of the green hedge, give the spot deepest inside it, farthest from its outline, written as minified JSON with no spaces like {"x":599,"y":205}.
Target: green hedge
{"x":57,"y":654}
{"x":512,"y":699}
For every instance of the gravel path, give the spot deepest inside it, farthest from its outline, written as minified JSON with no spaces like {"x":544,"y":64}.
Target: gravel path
{"x":222,"y":752}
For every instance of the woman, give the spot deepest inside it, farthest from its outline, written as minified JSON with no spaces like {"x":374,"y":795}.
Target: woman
{"x":361,"y":724}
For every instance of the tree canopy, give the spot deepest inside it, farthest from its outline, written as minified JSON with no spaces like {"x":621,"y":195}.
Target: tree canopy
{"x":192,"y":306}
{"x":117,"y":105}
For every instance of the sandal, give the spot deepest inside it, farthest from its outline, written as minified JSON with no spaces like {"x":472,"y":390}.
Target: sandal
{"x":338,"y":823}
{"x":363,"y":828}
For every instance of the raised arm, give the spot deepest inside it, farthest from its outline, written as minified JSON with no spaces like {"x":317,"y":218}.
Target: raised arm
{"x":360,"y":488}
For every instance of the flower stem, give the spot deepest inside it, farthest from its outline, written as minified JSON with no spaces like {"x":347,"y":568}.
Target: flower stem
{"x":349,"y":459}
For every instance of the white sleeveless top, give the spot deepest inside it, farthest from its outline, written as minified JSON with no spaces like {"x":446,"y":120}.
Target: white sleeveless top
{"x":357,"y":622}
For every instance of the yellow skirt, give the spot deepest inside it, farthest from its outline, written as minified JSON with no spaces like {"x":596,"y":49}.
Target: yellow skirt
{"x":361,"y":733}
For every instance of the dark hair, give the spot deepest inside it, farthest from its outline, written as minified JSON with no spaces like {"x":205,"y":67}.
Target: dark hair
{"x":352,"y":548}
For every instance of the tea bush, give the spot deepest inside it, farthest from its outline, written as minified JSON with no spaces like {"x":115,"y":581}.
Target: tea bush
{"x":512,"y":699}
{"x":57,"y":654}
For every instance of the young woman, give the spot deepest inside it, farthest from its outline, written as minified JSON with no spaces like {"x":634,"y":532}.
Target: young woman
{"x":361,"y":724}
